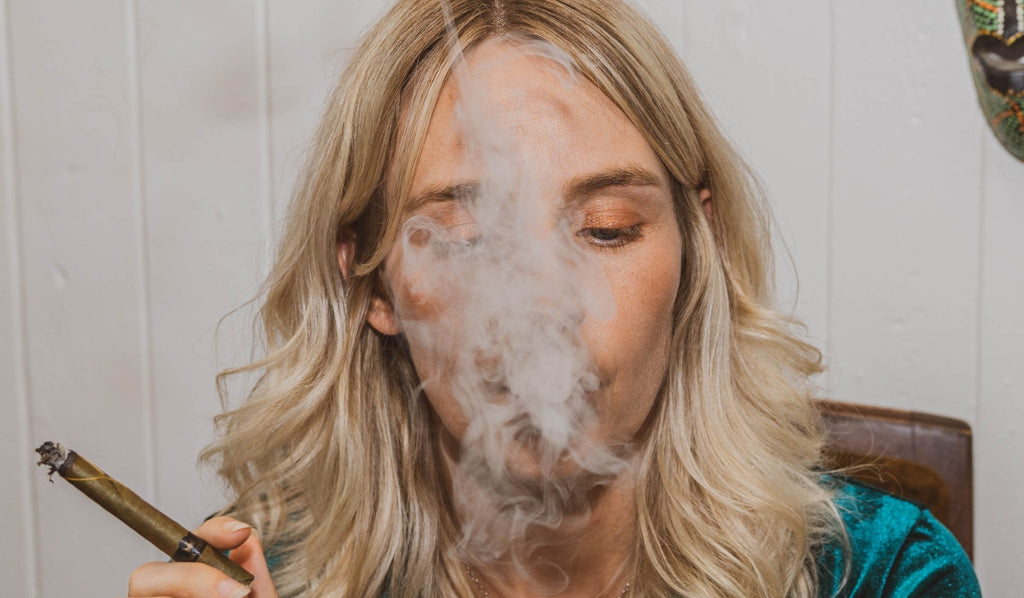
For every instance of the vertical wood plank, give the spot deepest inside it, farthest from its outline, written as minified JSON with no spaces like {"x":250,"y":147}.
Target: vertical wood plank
{"x":905,"y":234}
{"x":766,"y":75}
{"x":202,"y":161}
{"x":81,"y":264}
{"x":18,"y":567}
{"x":999,"y":433}
{"x":309,"y":46}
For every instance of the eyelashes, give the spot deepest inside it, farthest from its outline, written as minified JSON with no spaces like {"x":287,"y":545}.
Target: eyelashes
{"x":453,"y":229}
{"x":601,"y":237}
{"x":611,"y":237}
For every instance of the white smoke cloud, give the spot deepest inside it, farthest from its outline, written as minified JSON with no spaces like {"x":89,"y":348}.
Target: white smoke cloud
{"x":513,"y":286}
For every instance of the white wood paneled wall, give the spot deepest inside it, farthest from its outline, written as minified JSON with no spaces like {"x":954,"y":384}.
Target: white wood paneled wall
{"x":146,"y":154}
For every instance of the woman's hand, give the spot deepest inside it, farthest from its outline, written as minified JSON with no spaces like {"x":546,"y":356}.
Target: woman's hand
{"x":197,"y":580}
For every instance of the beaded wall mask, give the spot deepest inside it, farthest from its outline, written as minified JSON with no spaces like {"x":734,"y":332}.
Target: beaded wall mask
{"x":994,"y":34}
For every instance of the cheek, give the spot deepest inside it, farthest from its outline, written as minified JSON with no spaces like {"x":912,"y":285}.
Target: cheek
{"x":421,"y":289}
{"x":642,"y":325}
{"x":428,"y":325}
{"x":632,"y":348}
{"x":414,"y":297}
{"x":414,"y":303}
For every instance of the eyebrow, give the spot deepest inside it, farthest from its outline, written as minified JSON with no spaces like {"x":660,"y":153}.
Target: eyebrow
{"x":585,"y":186}
{"x":442,"y":193}
{"x":574,"y":191}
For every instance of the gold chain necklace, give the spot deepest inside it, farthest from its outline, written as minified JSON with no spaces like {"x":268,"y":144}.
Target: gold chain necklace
{"x":485,"y":594}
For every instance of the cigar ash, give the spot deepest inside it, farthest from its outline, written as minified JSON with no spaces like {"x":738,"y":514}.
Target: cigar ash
{"x":55,"y":456}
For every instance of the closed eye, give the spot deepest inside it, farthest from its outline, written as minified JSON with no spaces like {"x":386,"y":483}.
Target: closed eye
{"x":610,"y":237}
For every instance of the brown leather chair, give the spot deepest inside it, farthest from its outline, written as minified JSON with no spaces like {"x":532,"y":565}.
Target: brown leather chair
{"x":922,"y":457}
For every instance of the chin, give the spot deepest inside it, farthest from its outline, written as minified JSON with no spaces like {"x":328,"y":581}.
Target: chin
{"x":528,"y":459}
{"x":531,"y":458}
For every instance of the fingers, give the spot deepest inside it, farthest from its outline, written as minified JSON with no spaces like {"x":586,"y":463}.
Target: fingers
{"x":197,"y":580}
{"x":224,"y":533}
{"x":250,"y":556}
{"x":183,"y":580}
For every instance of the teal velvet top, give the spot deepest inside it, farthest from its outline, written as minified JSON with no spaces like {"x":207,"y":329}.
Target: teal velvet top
{"x":897,"y":550}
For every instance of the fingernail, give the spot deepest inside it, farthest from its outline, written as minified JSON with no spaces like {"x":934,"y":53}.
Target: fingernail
{"x":236,"y":526}
{"x":231,"y":589}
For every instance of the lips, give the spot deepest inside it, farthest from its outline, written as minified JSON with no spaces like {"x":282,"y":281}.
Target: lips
{"x":1002,"y":63}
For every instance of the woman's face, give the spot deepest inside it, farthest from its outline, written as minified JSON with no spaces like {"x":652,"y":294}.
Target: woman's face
{"x":539,"y":217}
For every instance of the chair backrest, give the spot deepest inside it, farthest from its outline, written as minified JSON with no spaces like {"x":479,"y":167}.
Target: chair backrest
{"x":922,"y":457}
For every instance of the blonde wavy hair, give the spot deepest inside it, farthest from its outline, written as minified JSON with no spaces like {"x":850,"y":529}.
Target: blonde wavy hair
{"x":336,"y":464}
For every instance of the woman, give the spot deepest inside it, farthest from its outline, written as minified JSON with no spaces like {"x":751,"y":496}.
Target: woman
{"x":518,"y":344}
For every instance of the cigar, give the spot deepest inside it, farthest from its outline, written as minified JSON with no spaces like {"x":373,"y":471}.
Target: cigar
{"x":163,"y":532}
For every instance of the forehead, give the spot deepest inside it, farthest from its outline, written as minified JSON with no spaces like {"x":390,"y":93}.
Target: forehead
{"x":524,"y":104}
{"x":500,"y":74}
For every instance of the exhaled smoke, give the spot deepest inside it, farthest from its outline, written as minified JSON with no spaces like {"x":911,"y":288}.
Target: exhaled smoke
{"x":510,"y":286}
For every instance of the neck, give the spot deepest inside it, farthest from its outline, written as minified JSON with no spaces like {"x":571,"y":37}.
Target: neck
{"x":581,"y":550}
